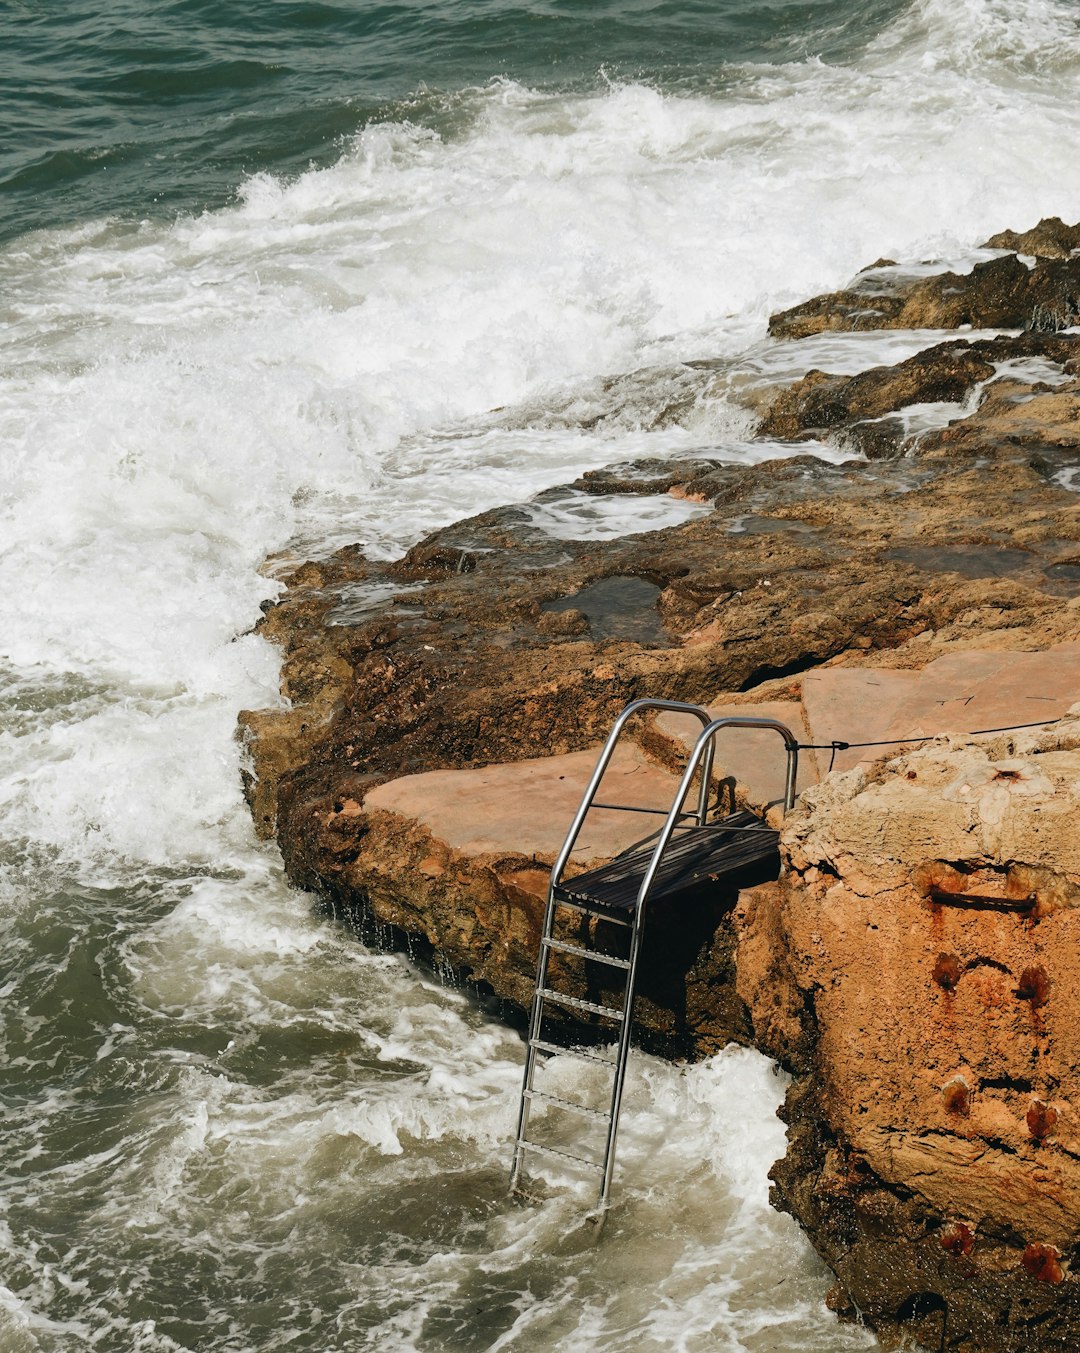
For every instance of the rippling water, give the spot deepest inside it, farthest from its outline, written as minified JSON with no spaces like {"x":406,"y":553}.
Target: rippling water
{"x":111,"y":108}
{"x":265,"y":269}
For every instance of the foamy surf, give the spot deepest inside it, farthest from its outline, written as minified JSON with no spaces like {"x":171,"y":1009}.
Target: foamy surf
{"x":230,"y":1126}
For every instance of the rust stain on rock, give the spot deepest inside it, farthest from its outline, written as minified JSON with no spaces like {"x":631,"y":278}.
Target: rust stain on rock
{"x":947,"y":971}
{"x":956,"y":1096}
{"x":957,"y":1237}
{"x":1043,"y":1262}
{"x":1041,"y":1119}
{"x":1034,"y":986}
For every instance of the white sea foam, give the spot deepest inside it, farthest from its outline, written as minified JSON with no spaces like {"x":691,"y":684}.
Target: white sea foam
{"x":320,"y":362}
{"x":588,"y":516}
{"x":1025,"y":38}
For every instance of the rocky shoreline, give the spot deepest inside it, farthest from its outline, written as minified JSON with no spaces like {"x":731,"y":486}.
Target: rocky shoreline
{"x":442,"y":713}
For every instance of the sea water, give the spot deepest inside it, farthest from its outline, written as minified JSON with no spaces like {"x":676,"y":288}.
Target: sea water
{"x":290,"y":274}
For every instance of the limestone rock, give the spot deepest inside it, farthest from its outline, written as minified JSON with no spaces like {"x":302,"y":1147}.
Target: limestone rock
{"x":935,"y":1045}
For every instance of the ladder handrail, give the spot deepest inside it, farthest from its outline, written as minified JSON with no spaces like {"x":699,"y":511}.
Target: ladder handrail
{"x":705,"y":741}
{"x":675,"y":812}
{"x":702,"y":750}
{"x":607,"y":752}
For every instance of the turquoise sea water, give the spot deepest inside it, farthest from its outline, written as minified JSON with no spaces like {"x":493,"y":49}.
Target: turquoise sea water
{"x":266,"y":271}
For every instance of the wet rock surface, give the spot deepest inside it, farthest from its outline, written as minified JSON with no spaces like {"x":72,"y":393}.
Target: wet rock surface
{"x":859,"y":407}
{"x":999,"y":293}
{"x":440,"y":714}
{"x":1051,"y":238}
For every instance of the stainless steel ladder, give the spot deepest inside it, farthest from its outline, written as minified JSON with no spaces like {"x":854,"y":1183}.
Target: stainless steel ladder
{"x":618,"y":893}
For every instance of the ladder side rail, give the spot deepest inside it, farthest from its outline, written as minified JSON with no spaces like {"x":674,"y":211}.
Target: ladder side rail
{"x":536,"y":1014}
{"x":791,"y":745}
{"x":699,"y":755}
{"x":537,"y":1009}
{"x":703,"y":790}
{"x":607,"y":752}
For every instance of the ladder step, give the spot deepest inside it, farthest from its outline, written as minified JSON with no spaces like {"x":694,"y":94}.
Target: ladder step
{"x":526,"y":1145}
{"x":591,"y":909}
{"x":541,"y":1045}
{"x":575,"y":1003}
{"x":569,"y":1104}
{"x":726,"y":849}
{"x":594,"y":955}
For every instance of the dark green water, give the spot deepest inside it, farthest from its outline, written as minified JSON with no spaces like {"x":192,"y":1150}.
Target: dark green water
{"x":120,"y":108}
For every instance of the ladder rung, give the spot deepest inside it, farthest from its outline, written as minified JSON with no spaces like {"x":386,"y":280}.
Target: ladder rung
{"x":525,"y":1145}
{"x":541,"y":1045}
{"x":568,"y":1104}
{"x":594,"y":955}
{"x":575,"y":1003}
{"x":589,"y":908}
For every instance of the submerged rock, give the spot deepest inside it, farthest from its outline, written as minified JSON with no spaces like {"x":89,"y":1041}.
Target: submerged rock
{"x":821,"y":405}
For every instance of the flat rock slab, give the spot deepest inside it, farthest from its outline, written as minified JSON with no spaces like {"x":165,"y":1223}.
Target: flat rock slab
{"x":855,"y":704}
{"x":526,"y":807}
{"x":754,"y":758}
{"x":968,"y":692}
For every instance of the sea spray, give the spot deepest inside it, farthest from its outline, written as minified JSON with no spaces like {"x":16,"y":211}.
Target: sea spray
{"x":229,"y":1125}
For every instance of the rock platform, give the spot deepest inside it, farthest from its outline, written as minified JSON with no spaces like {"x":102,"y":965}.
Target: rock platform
{"x":441,"y":713}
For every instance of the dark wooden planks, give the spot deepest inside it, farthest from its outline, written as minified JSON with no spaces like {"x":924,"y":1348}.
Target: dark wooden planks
{"x":722,"y":849}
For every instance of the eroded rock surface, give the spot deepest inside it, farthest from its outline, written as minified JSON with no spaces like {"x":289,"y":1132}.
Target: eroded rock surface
{"x":934,"y":1143}
{"x":457,"y":670}
{"x":442,"y":712}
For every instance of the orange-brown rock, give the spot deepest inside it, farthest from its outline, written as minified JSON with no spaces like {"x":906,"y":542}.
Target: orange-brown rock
{"x":930,"y":1023}
{"x":820,"y":403}
{"x":1001,"y":293}
{"x":957,"y":1238}
{"x":455,"y":670}
{"x":460,"y":860}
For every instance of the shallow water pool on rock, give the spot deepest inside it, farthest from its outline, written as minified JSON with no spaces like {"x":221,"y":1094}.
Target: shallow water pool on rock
{"x":618,"y":608}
